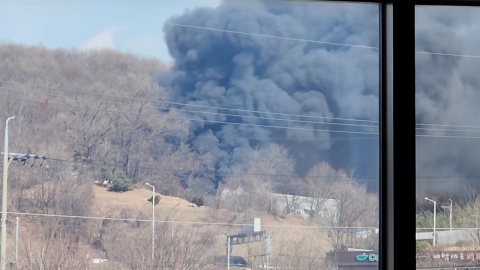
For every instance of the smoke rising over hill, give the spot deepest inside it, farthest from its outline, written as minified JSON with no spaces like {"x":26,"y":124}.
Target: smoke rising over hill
{"x":262,"y":64}
{"x":280,"y":72}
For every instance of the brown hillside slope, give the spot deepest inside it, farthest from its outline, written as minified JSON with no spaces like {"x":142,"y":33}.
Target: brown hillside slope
{"x":289,"y":233}
{"x":291,"y":237}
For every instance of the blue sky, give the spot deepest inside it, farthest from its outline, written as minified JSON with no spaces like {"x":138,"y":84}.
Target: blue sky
{"x":127,"y":25}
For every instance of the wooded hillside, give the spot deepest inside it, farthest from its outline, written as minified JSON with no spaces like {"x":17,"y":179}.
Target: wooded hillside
{"x":98,"y":108}
{"x":100,"y":116}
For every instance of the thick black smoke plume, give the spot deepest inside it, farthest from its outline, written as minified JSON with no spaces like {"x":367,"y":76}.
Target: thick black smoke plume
{"x":264,"y":73}
{"x":448,"y":94}
{"x":287,"y":75}
{"x":279,"y":69}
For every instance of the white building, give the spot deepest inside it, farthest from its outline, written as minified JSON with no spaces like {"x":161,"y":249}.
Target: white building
{"x":304,"y":206}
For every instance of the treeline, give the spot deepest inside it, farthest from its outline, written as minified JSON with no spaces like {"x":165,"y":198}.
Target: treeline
{"x":98,"y":108}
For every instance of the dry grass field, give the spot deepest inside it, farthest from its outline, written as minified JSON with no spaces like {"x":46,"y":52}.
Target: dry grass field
{"x":290,"y":233}
{"x":291,"y":236}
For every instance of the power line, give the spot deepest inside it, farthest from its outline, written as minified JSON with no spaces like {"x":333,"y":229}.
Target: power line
{"x":449,"y":177}
{"x":431,"y":179}
{"x":213,"y":173}
{"x":257,"y":125}
{"x":446,"y":136}
{"x":183,"y":110}
{"x":449,"y":130}
{"x":445,"y":229}
{"x":270,"y":36}
{"x":449,"y":54}
{"x":191,"y":105}
{"x":199,"y":136}
{"x":186,"y":222}
{"x":200,"y":120}
{"x":206,"y":120}
{"x":274,"y":37}
{"x":360,"y":180}
{"x":313,"y":41}
{"x":286,"y":139}
{"x":229,"y":109}
{"x":234,"y":115}
{"x":441,"y":125}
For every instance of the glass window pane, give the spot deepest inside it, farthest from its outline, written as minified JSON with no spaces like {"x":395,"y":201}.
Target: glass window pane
{"x":254,"y":119}
{"x":447,"y":128}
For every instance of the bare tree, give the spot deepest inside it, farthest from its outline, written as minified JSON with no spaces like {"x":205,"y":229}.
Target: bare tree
{"x":271,"y":168}
{"x":317,"y":186}
{"x":176,"y":248}
{"x":51,"y":253}
{"x":351,"y":206}
{"x":89,"y":129}
{"x":143,"y":128}
{"x":299,"y":253}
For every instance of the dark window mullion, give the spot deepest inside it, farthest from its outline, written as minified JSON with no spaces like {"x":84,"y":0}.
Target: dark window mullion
{"x":397,"y":136}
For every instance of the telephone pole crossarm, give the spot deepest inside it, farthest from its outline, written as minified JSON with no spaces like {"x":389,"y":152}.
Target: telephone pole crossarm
{"x":24,"y":157}
{"x":8,"y":158}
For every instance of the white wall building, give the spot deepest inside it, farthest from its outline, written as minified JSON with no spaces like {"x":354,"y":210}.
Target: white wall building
{"x":303,"y":206}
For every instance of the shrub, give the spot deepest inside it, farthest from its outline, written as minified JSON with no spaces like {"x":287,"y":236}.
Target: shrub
{"x":423,"y":246}
{"x":121,"y":184}
{"x":199,"y":201}
{"x":157,"y":199}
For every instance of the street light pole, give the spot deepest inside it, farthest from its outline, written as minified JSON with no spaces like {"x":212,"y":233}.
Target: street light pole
{"x":153,"y":221}
{"x":451,"y":208}
{"x":16,"y":240}
{"x":171,"y":228}
{"x":3,"y":248}
{"x":434,"y":220}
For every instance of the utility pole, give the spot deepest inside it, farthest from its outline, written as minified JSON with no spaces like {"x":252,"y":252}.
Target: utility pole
{"x":171,"y":229}
{"x":228,"y":252}
{"x":451,"y":209}
{"x":434,"y":221}
{"x":16,"y":240}
{"x":6,"y":161}
{"x":153,"y":222}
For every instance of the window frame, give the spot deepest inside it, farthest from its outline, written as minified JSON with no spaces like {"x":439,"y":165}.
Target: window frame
{"x":397,"y":127}
{"x":397,"y":117}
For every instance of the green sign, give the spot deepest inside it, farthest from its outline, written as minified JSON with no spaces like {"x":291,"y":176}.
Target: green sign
{"x":364,"y":257}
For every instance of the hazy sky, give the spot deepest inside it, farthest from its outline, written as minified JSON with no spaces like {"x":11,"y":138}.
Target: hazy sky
{"x":127,"y":25}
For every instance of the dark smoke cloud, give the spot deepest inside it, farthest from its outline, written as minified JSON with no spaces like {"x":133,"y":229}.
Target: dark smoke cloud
{"x":266,"y":74}
{"x":448,"y":94}
{"x":218,"y":69}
